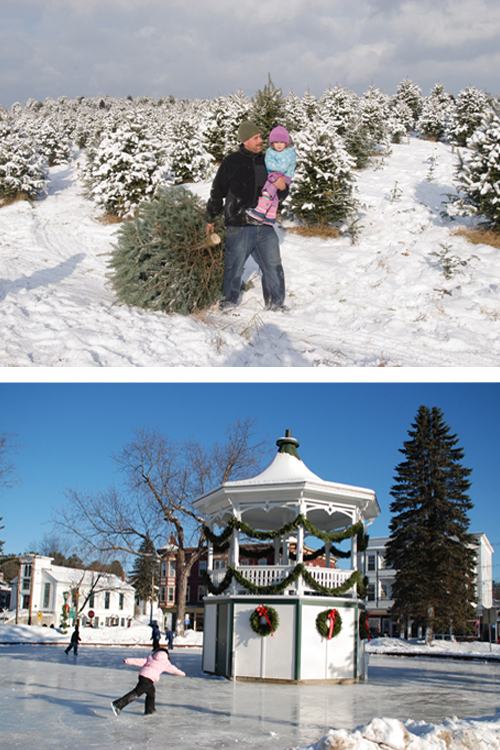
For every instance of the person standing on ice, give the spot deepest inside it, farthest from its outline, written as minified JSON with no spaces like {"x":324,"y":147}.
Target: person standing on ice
{"x":280,"y":161}
{"x":236,"y":187}
{"x":152,"y":668}
{"x":75,"y":640}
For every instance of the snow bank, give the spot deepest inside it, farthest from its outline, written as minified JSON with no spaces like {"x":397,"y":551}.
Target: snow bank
{"x":442,"y":648}
{"x":391,"y":734}
{"x":137,"y":635}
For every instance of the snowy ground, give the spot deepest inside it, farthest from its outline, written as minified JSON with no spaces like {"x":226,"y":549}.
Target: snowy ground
{"x":53,"y":701}
{"x":384,"y":301}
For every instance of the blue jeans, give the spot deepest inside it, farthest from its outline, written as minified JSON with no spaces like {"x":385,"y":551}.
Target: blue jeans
{"x":261,"y":242}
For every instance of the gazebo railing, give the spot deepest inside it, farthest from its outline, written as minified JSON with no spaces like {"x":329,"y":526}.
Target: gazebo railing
{"x":268,"y":575}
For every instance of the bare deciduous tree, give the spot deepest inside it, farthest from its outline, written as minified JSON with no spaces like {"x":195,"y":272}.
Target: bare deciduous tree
{"x":161,"y":478}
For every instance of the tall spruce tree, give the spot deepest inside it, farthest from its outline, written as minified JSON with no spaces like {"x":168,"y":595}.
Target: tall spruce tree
{"x":145,"y":573}
{"x":430,"y":546}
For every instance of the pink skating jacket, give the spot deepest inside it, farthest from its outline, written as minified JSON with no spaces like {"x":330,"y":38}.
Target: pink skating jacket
{"x":154,"y":665}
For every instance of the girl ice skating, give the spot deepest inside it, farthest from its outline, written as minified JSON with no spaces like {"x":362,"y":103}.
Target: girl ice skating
{"x":152,"y":668}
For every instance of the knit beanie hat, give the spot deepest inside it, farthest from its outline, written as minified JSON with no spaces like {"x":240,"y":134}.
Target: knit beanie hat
{"x":279,"y":135}
{"x":247,"y":130}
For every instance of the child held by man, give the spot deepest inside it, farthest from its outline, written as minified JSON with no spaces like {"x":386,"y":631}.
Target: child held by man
{"x":280,"y":161}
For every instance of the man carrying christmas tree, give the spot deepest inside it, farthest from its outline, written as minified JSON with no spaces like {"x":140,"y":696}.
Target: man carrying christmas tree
{"x":237,"y":185}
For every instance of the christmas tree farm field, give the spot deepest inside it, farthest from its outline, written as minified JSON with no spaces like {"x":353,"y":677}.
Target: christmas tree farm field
{"x":410,"y":292}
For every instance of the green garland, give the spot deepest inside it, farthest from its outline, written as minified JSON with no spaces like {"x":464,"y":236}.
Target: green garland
{"x":300,"y":570}
{"x":221,"y":541}
{"x":323,"y":626}
{"x":263,"y":628}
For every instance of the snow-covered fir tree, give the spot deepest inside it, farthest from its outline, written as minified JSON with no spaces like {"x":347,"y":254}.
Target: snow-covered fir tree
{"x":23,"y":171}
{"x":400,"y":121}
{"x":437,"y":109}
{"x":374,"y":108}
{"x":478,"y":173}
{"x":187,"y":159}
{"x":322,"y":189}
{"x":410,"y":93}
{"x":267,"y":108}
{"x":471,"y":106}
{"x":222,"y":122}
{"x":124,"y":167}
{"x":310,"y":105}
{"x":294,"y":113}
{"x":338,"y":109}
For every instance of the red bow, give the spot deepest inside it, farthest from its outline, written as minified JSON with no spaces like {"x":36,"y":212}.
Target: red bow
{"x":262,"y":612}
{"x":368,"y":636}
{"x":332,"y":614}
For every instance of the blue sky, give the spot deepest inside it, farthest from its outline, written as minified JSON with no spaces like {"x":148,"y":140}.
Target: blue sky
{"x":198,"y":49}
{"x":348,"y":433}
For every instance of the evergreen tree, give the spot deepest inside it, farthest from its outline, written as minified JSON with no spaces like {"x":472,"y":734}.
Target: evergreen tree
{"x":436,"y":110}
{"x":124,"y":167}
{"x":322,"y":189}
{"x":23,"y":172}
{"x":294,"y":113}
{"x":338,"y":109}
{"x":478,"y":172}
{"x":471,"y":107}
{"x":374,"y":107}
{"x":410,"y":93}
{"x":187,"y":159}
{"x":430,"y":546}
{"x":163,"y":260}
{"x":145,"y":572}
{"x":268,"y":109}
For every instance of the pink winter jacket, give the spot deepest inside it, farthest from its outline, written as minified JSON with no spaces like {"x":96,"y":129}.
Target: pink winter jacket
{"x":154,"y":665}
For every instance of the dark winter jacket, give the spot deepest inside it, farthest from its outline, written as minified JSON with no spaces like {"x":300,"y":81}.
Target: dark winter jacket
{"x":239,"y":181}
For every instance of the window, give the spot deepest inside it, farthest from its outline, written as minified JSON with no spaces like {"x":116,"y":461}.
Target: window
{"x":386,"y":591}
{"x":121,"y":599}
{"x":202,"y":592}
{"x":371,"y":562}
{"x":172,"y":568}
{"x":27,"y":571}
{"x":91,"y":601}
{"x":171,"y":597}
{"x":371,"y":592}
{"x":188,"y":593}
{"x":163,"y":569}
{"x":106,"y":600}
{"x":202,"y":565}
{"x":219,"y":564}
{"x":46,"y":595}
{"x":26,"y":585}
{"x":26,"y":601}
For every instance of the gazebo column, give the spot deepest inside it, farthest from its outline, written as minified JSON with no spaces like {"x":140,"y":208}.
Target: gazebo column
{"x":354,"y":548}
{"x":300,"y":548}
{"x":277,"y":544}
{"x":328,"y":546}
{"x":234,"y":552}
{"x":210,"y":547}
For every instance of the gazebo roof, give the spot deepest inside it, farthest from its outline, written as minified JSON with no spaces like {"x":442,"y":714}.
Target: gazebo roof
{"x":273,"y":497}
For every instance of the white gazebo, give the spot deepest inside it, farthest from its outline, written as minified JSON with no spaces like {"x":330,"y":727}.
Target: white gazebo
{"x":284,"y":504}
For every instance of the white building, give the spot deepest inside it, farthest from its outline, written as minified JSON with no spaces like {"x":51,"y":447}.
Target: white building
{"x":42,"y":590}
{"x":381,"y":579}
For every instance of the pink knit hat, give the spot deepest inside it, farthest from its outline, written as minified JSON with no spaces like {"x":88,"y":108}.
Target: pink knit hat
{"x":279,"y":135}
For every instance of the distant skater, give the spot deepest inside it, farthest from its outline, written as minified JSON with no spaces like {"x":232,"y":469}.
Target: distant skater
{"x":155,"y":635}
{"x":152,"y":668}
{"x":75,"y":640}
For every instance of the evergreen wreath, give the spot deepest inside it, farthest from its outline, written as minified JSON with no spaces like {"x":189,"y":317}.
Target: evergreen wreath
{"x":323,"y":623}
{"x":270,"y":617}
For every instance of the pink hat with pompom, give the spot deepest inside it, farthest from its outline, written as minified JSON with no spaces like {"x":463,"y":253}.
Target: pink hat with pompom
{"x":279,"y":134}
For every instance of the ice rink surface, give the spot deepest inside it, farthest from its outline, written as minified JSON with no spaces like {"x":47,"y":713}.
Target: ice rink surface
{"x":50,"y":700}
